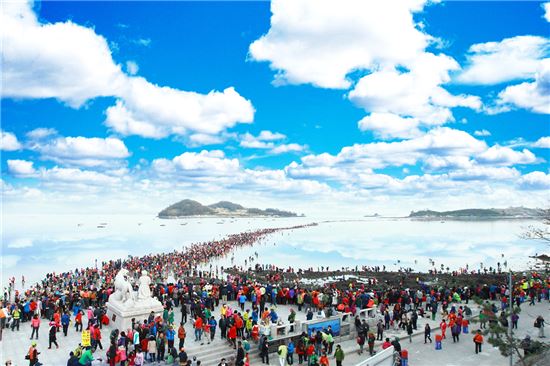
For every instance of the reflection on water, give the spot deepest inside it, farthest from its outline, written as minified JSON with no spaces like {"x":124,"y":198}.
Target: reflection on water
{"x":34,"y":245}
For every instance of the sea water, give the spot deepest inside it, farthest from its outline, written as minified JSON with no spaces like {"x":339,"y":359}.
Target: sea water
{"x":35,"y":245}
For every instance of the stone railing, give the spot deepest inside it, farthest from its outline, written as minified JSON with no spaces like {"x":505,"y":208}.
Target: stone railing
{"x":382,"y":358}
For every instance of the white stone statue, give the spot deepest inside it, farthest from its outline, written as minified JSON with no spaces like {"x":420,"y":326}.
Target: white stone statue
{"x":144,"y":291}
{"x":123,"y":289}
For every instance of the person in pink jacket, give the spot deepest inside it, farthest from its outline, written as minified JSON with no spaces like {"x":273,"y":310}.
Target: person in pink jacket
{"x":121,"y":355}
{"x":35,"y":324}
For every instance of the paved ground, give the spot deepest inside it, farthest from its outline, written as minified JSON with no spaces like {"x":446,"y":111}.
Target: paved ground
{"x":463,"y":352}
{"x":14,"y":345}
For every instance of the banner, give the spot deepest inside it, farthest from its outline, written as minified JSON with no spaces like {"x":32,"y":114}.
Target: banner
{"x":86,"y":341}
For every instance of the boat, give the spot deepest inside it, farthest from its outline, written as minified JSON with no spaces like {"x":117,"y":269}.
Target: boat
{"x":183,"y":223}
{"x":101,"y":226}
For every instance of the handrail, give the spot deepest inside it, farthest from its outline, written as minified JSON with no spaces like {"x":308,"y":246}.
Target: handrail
{"x":378,"y":357}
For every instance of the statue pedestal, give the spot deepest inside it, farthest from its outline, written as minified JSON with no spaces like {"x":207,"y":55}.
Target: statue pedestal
{"x":120,"y":315}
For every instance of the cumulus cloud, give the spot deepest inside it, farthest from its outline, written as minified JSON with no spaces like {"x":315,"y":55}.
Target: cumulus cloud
{"x":546,"y":7}
{"x":83,"y":151}
{"x":267,"y":140}
{"x":316,"y":42}
{"x":415,"y":93}
{"x":73,"y":64}
{"x":21,"y":168}
{"x":9,"y":142}
{"x":285,"y":148}
{"x":484,"y":173}
{"x":510,"y":59}
{"x":78,"y":176}
{"x":208,"y":170}
{"x":535,"y":181}
{"x":170,"y":111}
{"x":498,"y":155}
{"x":543,"y":143}
{"x":388,"y":126}
{"x":26,"y":169}
{"x":132,"y":67}
{"x":201,"y":139}
{"x":41,"y":133}
{"x":62,"y":60}
{"x":203,"y":164}
{"x":438,"y":148}
{"x":266,"y":135}
{"x":533,"y":96}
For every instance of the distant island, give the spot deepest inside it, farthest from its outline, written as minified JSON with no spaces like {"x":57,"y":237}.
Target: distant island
{"x":188,"y":208}
{"x":481,"y":214}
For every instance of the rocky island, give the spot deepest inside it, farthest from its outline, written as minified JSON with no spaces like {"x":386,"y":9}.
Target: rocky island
{"x":481,"y":214}
{"x":189,"y":208}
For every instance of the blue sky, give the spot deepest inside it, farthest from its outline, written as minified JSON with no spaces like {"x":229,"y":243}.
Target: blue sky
{"x":361,"y":104}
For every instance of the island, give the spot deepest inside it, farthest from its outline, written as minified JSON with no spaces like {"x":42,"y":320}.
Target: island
{"x":481,"y":214}
{"x":191,"y":208}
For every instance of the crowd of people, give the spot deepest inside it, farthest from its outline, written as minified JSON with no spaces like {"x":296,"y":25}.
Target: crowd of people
{"x":79,"y":297}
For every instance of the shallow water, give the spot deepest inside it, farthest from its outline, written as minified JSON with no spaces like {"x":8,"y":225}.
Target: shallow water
{"x":35,"y":245}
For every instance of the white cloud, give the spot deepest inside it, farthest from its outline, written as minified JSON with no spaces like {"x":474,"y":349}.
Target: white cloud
{"x":74,"y":64}
{"x":482,"y":133}
{"x":192,"y":164}
{"x":278,"y":181}
{"x":132,"y":67}
{"x":201,"y":139}
{"x":41,"y":133}
{"x":388,"y":126}
{"x":415,"y":93}
{"x":285,"y":148}
{"x":510,"y":59}
{"x":8,"y":141}
{"x":436,"y":162}
{"x":484,"y":173}
{"x":145,"y":42}
{"x":252,"y":142}
{"x":265,"y":140}
{"x":149,"y":110}
{"x":270,"y":136}
{"x":77,"y":176}
{"x":61,"y":60}
{"x":533,"y":96}
{"x":21,"y":168}
{"x":439,"y":148}
{"x":498,"y":155}
{"x":546,"y":7}
{"x":535,"y":180}
{"x":317,"y":42}
{"x":25,"y":169}
{"x":543,"y":143}
{"x":83,"y":151}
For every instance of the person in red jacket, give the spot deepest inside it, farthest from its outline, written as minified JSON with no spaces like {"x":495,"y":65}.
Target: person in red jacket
{"x":97,"y":336}
{"x":232,"y":336}
{"x":310,"y":350}
{"x":386,"y":344}
{"x":478,"y":341}
{"x":198,"y":328}
{"x":78,"y":321}
{"x":443,"y":326}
